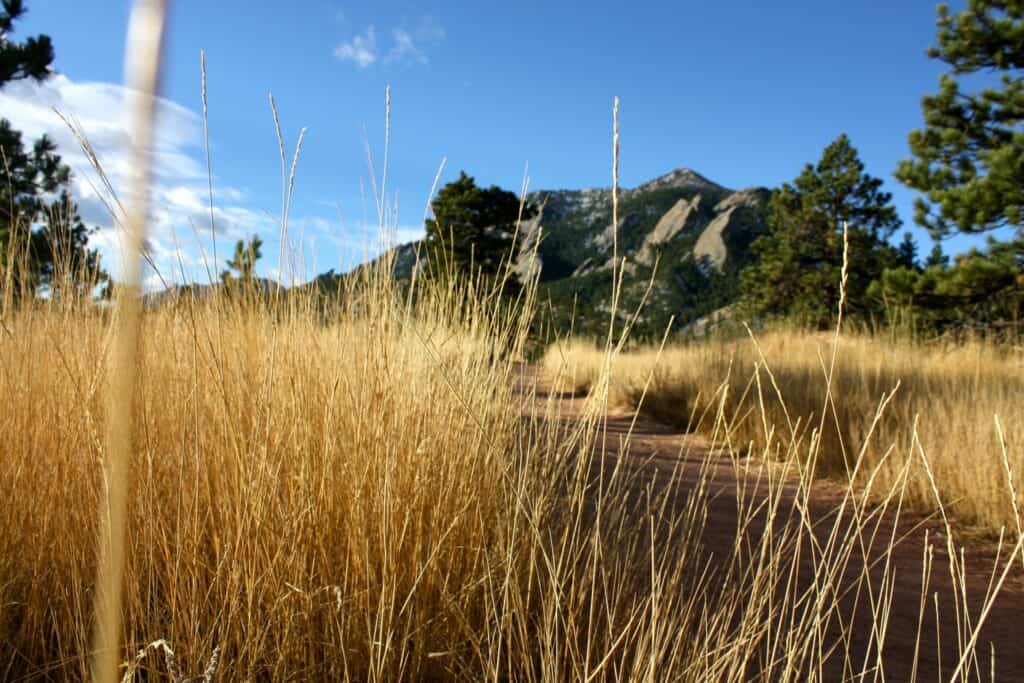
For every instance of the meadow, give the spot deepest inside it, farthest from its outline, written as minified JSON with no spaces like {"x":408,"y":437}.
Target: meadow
{"x":371,"y":487}
{"x":951,"y":410}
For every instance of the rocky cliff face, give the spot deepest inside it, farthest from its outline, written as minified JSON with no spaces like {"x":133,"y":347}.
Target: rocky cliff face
{"x":683,"y":237}
{"x":681,"y":206}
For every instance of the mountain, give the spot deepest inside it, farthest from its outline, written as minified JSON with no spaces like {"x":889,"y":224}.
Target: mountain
{"x":681,"y":234}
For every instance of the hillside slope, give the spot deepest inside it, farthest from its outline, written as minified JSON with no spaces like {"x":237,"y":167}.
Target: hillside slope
{"x":681,"y":234}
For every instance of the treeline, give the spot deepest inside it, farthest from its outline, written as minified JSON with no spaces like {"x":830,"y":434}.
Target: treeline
{"x":968,"y":164}
{"x":830,"y":236}
{"x":44,"y":243}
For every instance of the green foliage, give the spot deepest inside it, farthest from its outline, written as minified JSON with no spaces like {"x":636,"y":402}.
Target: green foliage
{"x":906,"y":251}
{"x":41,"y":232}
{"x":472,"y":229}
{"x":800,"y":259}
{"x":937,"y":257}
{"x":982,"y":292}
{"x":30,"y":59}
{"x":242,"y":266}
{"x":968,"y":159}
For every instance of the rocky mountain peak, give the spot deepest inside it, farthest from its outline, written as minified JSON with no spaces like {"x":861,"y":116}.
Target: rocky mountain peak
{"x":683,"y":179}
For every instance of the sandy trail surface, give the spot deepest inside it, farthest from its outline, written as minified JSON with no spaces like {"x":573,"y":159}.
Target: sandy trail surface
{"x":655,"y":450}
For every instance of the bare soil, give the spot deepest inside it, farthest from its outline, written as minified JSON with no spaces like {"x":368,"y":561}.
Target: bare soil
{"x":655,"y":451}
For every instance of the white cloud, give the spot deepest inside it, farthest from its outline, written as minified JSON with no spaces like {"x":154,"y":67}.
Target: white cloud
{"x":404,"y":49}
{"x":99,"y":109}
{"x":404,"y":234}
{"x":184,"y":197}
{"x":179,"y":229}
{"x":429,"y":30}
{"x":361,"y":50}
{"x":231,"y":194}
{"x":409,"y":44}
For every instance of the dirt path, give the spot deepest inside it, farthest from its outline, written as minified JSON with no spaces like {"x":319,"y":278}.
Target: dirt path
{"x":657,"y":449}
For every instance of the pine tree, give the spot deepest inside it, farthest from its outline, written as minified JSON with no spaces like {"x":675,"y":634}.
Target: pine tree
{"x":982,"y":292}
{"x":242,"y":266}
{"x":906,"y":251}
{"x":968,"y":159}
{"x":472,"y":229}
{"x":38,"y":219}
{"x":30,"y":59}
{"x":799,"y":261}
{"x":937,"y":258}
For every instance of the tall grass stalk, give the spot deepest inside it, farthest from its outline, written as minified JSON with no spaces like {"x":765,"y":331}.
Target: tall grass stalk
{"x":142,"y":72}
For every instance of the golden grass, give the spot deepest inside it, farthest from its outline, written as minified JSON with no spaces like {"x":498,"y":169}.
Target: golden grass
{"x":572,"y":366}
{"x":359,"y":490}
{"x":773,"y":390}
{"x":142,"y":67}
{"x":288,"y":476}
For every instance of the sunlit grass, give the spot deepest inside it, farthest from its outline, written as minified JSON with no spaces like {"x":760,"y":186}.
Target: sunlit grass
{"x":962,"y":402}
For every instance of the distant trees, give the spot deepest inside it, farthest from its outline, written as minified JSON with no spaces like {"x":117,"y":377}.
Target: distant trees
{"x":906,"y":251}
{"x":968,"y":163}
{"x":472,"y":229}
{"x":42,"y":238}
{"x":983,"y":292}
{"x":797,"y":273}
{"x":30,"y":59}
{"x":241,"y":268}
{"x":937,"y":257}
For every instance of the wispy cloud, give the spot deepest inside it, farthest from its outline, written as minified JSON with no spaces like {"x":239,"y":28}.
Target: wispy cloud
{"x":408,"y":44}
{"x":405,"y":48}
{"x":404,"y":234}
{"x":361,"y":50}
{"x":179,"y":230}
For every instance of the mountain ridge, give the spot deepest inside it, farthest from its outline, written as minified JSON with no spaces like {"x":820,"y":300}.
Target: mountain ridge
{"x":681,"y":234}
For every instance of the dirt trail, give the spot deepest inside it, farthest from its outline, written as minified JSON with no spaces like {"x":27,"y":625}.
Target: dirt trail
{"x":654,"y":448}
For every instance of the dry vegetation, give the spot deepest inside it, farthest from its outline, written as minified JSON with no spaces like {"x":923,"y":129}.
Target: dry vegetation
{"x":958,"y":406}
{"x":361,"y":488}
{"x":349,"y":490}
{"x":313,"y":497}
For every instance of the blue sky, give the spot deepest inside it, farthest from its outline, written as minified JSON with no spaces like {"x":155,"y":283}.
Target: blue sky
{"x":744,"y":92}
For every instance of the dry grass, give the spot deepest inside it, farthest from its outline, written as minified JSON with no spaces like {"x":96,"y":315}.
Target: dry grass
{"x":361,"y":499}
{"x":772,"y":390}
{"x":288,"y":477}
{"x":572,"y":366}
{"x":358,"y":490}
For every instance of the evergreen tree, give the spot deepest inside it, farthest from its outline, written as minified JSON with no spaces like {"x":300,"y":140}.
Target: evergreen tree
{"x":937,"y":258}
{"x":982,"y":292}
{"x":799,"y":261}
{"x":968,"y":159}
{"x":472,"y":229}
{"x":906,"y":251}
{"x":38,"y":219}
{"x":242,"y":266}
{"x":30,"y":59}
